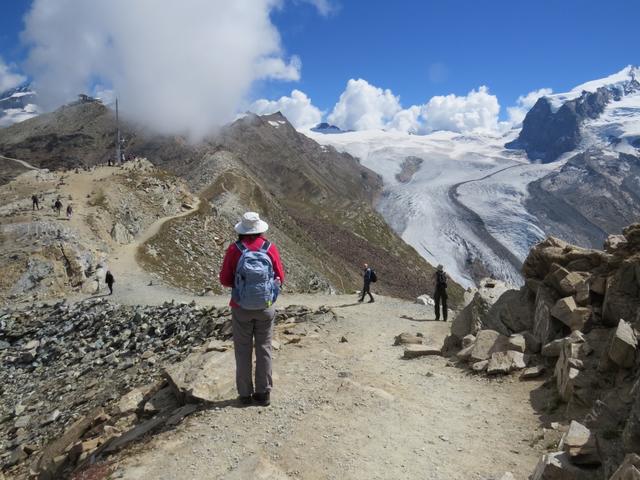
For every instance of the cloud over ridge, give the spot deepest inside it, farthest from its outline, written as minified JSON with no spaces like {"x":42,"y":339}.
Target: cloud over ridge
{"x":176,"y":66}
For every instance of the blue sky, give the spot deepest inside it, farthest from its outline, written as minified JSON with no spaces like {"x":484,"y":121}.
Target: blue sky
{"x":512,"y":46}
{"x":419,"y":49}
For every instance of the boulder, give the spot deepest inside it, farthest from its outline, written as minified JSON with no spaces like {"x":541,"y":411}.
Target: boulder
{"x":553,"y":348}
{"x":629,"y":470}
{"x":465,"y":354}
{"x":563,"y":281}
{"x":505,"y":362}
{"x":202,"y":377}
{"x":545,"y":328}
{"x":532,"y":372}
{"x":407,"y":338}
{"x":415,"y":351}
{"x":568,"y":368}
{"x":468,"y":340}
{"x":517,"y":343}
{"x":580,"y":445}
{"x":532,"y":344}
{"x":622,"y":297}
{"x":598,"y":285}
{"x":480,"y":366}
{"x":487,"y":342}
{"x":556,"y":466}
{"x":162,"y":401}
{"x":615,"y":242}
{"x":567,"y":311}
{"x":623,"y":345}
{"x":425,"y":300}
{"x":473,"y":317}
{"x":511,"y":313}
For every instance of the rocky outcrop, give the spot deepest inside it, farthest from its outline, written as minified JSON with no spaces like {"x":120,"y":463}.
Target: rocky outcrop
{"x":579,"y":308}
{"x":547,"y":133}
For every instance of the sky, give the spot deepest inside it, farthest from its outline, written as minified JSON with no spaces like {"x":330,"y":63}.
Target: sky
{"x":415,"y":66}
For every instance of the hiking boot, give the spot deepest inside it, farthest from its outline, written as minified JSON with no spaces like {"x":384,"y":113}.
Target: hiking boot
{"x":262,"y":399}
{"x":245,"y":400}
{"x":371,"y":301}
{"x":361,"y":300}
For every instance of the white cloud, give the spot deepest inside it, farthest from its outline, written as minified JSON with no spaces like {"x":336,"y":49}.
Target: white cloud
{"x":297,"y":108}
{"x":176,"y":66}
{"x":476,"y":111}
{"x":524,"y":104}
{"x":9,"y":79}
{"x":324,"y":7}
{"x":362,"y":106}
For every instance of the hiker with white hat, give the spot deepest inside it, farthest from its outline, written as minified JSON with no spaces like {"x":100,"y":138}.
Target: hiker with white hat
{"x":253,"y":270}
{"x":440,"y":293}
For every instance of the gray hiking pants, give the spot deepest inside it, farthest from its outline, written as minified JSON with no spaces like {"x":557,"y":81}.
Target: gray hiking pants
{"x":250,"y":325}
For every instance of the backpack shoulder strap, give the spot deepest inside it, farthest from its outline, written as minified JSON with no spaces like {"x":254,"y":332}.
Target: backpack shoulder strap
{"x":265,"y":246}
{"x":241,"y":246}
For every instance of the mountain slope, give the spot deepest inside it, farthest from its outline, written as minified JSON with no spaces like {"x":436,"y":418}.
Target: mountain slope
{"x":317,"y":201}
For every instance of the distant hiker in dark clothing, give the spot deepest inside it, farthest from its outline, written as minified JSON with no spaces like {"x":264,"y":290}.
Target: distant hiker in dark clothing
{"x":109,"y":280}
{"x":69,"y":211}
{"x":57,"y":206}
{"x":441,"y":293}
{"x":36,"y":203}
{"x":369,"y":276}
{"x":254,"y":272}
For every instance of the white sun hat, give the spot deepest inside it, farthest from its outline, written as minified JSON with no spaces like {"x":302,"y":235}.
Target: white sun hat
{"x":251,"y":224}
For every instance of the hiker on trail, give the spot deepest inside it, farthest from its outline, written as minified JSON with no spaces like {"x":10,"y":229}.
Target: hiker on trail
{"x":109,"y":280}
{"x":252,"y":268}
{"x":440,"y":293}
{"x":69,"y":211}
{"x":99,"y":274}
{"x":369,"y":276}
{"x":36,"y":202}
{"x":57,"y":206}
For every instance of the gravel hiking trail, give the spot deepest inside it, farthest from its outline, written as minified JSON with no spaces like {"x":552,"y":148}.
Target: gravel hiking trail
{"x":352,"y":408}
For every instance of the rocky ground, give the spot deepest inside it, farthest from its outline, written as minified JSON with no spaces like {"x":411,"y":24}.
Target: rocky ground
{"x":346,"y":403}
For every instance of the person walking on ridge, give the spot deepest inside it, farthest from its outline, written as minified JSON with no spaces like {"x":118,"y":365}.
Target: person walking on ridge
{"x":109,"y":280}
{"x":368,"y":277}
{"x":69,"y":211}
{"x":57,"y":206}
{"x":253,"y":270}
{"x":35,"y":202}
{"x":440,"y":294}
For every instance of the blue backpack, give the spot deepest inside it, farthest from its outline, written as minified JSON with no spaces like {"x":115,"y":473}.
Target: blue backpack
{"x":254,"y":287}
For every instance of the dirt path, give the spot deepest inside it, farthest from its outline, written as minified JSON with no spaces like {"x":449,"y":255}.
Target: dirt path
{"x":356,"y":410}
{"x":131,"y":278}
{"x":26,"y":165}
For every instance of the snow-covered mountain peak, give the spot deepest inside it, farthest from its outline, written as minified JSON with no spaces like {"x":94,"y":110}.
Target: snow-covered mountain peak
{"x":621,"y":83}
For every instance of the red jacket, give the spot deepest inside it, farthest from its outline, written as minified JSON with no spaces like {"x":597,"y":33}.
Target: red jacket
{"x":230,"y":262}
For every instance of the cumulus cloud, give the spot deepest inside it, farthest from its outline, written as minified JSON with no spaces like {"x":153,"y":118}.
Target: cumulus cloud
{"x":176,"y":66}
{"x":524,"y":104}
{"x":362,"y":106}
{"x":476,"y":111}
{"x":8,"y":77}
{"x":297,"y":108}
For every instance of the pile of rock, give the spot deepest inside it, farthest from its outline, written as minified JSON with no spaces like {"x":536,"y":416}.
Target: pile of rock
{"x":577,"y":314}
{"x":95,"y":375}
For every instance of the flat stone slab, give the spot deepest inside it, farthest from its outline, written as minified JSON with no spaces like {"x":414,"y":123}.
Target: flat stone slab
{"x":415,"y":351}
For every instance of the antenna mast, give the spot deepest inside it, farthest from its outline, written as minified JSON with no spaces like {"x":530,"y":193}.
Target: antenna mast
{"x":118,"y":153}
